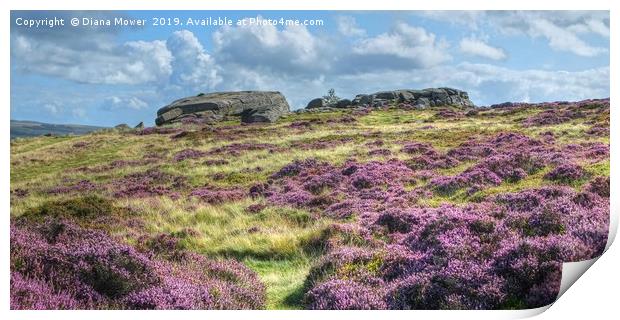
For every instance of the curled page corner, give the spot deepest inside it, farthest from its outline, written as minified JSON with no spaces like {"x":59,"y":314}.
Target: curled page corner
{"x":571,"y":271}
{"x":613,"y":226}
{"x":528,"y":313}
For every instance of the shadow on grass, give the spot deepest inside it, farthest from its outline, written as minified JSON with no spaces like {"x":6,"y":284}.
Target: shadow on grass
{"x":295,"y":298}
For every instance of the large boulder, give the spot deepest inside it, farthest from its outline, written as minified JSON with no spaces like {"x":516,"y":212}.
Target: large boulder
{"x":362,"y":99}
{"x":344,"y":103}
{"x":316,"y":103}
{"x":251,"y":106}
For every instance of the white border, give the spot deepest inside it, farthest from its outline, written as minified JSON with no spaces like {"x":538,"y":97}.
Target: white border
{"x":594,"y":295}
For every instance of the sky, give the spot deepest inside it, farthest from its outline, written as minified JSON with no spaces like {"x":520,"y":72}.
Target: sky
{"x":106,"y":75}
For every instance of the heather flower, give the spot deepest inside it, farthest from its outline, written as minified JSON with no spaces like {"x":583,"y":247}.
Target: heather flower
{"x":522,"y":201}
{"x":446,"y":185}
{"x":319,"y":183}
{"x":216,"y":195}
{"x":32,"y":294}
{"x":528,"y":264}
{"x":255,"y":208}
{"x":58,"y":265}
{"x":259,"y":190}
{"x":347,"y":262}
{"x":295,"y":168}
{"x":432,"y":160}
{"x":379,"y":152}
{"x":448,"y":114}
{"x":20,"y":193}
{"x":344,"y":295}
{"x":348,"y":208}
{"x":171,"y":296}
{"x":416,"y":147}
{"x":152,"y":182}
{"x":395,"y":220}
{"x":598,"y":130}
{"x":188,"y":154}
{"x":81,"y":187}
{"x":566,"y":173}
{"x":215,"y":162}
{"x":399,"y":260}
{"x":550,"y":117}
{"x":599,"y":186}
{"x":597,"y":151}
{"x":236,"y":149}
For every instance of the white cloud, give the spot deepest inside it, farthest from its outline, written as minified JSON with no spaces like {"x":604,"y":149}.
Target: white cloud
{"x":468,"y":18}
{"x":292,"y":50}
{"x":403,"y":47}
{"x":598,"y":27}
{"x":564,"y":30}
{"x":562,"y":39}
{"x":192,"y":66}
{"x":132,"y":63}
{"x":51,"y":108}
{"x":120,"y":103}
{"x":348,"y":27}
{"x":477,"y":47}
{"x":78,"y":113}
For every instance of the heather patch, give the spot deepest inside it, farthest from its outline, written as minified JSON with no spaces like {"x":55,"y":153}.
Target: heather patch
{"x":80,"y":186}
{"x":566,"y":173}
{"x":152,"y":182}
{"x":318,"y":185}
{"x":57,"y":265}
{"x":598,"y":130}
{"x":188,"y":154}
{"x":481,"y":256}
{"x":87,"y":208}
{"x":236,"y":149}
{"x":321,"y":143}
{"x":19,"y":193}
{"x":118,"y":164}
{"x":416,"y":148}
{"x":214,"y":195}
{"x":550,"y":117}
{"x":599,"y":186}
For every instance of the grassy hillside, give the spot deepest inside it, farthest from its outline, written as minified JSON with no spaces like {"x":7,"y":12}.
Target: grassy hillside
{"x":249,"y":193}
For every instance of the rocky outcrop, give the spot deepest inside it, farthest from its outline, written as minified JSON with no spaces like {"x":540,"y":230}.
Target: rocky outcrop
{"x":415,"y":98}
{"x":251,"y":106}
{"x":418,"y":98}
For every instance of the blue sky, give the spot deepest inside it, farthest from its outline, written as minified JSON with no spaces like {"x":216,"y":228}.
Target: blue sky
{"x":113,"y":74}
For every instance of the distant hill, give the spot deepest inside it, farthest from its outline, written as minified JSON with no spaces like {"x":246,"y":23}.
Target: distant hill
{"x":20,"y":129}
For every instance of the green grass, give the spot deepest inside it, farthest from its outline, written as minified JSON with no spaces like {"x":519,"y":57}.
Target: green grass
{"x":284,"y":280}
{"x":278,"y":251}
